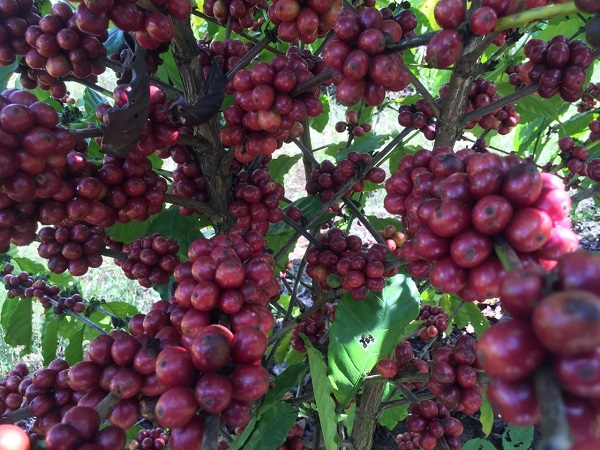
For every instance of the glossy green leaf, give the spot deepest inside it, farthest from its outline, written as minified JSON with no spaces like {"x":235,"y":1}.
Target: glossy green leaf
{"x":363,"y":332}
{"x":478,"y":444}
{"x":322,"y":389}
{"x":286,"y":380}
{"x":320,"y":122}
{"x":168,"y":70}
{"x":49,"y":336}
{"x":91,"y":100}
{"x":127,"y":232}
{"x":74,"y":350}
{"x":15,"y":319}
{"x":486,"y":414}
{"x":64,"y":280}
{"x":280,"y":166}
{"x":269,"y":430}
{"x":369,"y":143}
{"x":517,"y":438}
{"x":470,"y":313}
{"x":5,"y":73}
{"x":114,"y":41}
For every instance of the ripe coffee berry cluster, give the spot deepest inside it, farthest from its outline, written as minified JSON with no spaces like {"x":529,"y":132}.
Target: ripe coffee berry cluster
{"x":454,"y":379}
{"x":594,"y":127}
{"x":155,"y":439}
{"x":80,"y":426}
{"x":419,"y":116}
{"x":352,"y":125}
{"x":306,"y":20}
{"x":399,"y":362}
{"x":452,"y":205}
{"x":513,"y":75}
{"x":294,"y":439}
{"x":314,"y":327}
{"x":327,"y":178}
{"x":257,"y":198}
{"x":593,"y":169}
{"x":240,"y":11}
{"x":75,"y":249}
{"x":435,"y":320}
{"x":264,"y":114}
{"x":575,"y":157}
{"x":58,"y":49}
{"x":159,"y":134}
{"x":407,"y":441}
{"x":362,"y":70}
{"x":188,"y":179}
{"x":226,"y":53}
{"x":558,"y":66}
{"x":590,"y":97}
{"x":14,"y":20}
{"x":557,"y":328}
{"x":150,"y":260}
{"x":482,"y":93}
{"x":341,"y":262}
{"x":12,"y":388}
{"x":133,"y":190}
{"x":432,"y":421}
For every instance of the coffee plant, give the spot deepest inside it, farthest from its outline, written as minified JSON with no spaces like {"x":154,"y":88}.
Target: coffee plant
{"x":358,"y":216}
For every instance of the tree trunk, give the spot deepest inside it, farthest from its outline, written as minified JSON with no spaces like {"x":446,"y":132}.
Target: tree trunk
{"x":367,"y":413}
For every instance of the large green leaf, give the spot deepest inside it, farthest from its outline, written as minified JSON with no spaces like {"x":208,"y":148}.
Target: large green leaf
{"x":280,"y":166}
{"x":367,"y":144}
{"x":470,"y":313}
{"x":74,"y":350}
{"x":286,"y":380}
{"x":322,"y":389}
{"x":91,"y":100}
{"x":114,"y":41}
{"x":15,"y":318}
{"x":320,"y":122}
{"x":478,"y":444}
{"x":127,"y":232}
{"x":486,"y":415}
{"x":49,"y":336}
{"x":390,"y":417}
{"x":517,"y":438}
{"x":363,"y":332}
{"x":270,"y":429}
{"x":168,"y":70}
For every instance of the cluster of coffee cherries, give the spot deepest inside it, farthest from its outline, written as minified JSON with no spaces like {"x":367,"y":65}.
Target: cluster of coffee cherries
{"x":419,"y":116}
{"x":150,"y":260}
{"x":264,"y":114}
{"x":306,"y":20}
{"x":482,"y":93}
{"x":32,"y":159}
{"x":225,"y":53}
{"x":403,"y":361}
{"x":155,"y":439}
{"x":590,"y":97}
{"x":75,"y":249}
{"x":256,"y":202}
{"x":79,"y":428}
{"x":407,"y":441}
{"x":449,"y":14}
{"x":188,"y":179}
{"x":576,"y":157}
{"x":431,"y":421}
{"x":452,"y":206}
{"x":557,"y":327}
{"x":314,"y":327}
{"x":15,"y":17}
{"x":327,"y":178}
{"x":240,"y":11}
{"x":294,"y":439}
{"x":435,"y":320}
{"x":341,"y":262}
{"x":11,"y":390}
{"x":351,"y":125}
{"x":356,"y":54}
{"x":393,"y":238}
{"x":454,"y":378}
{"x":558,"y":66}
{"x":159,"y":135}
{"x":60,"y":48}
{"x":513,"y":74}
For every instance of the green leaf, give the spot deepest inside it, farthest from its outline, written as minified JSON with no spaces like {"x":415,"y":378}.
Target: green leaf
{"x":478,"y":444}
{"x":283,"y":349}
{"x":284,"y":382}
{"x":390,"y":417}
{"x":381,"y":222}
{"x":294,"y":357}
{"x":363,"y":332}
{"x":5,"y":73}
{"x":16,"y":320}
{"x":367,"y":144}
{"x":63,"y":280}
{"x":114,"y":41}
{"x":348,"y":417}
{"x":74,"y":351}
{"x":168,"y":70}
{"x":533,"y":106}
{"x":272,"y":427}
{"x":486,"y":414}
{"x":320,"y":122}
{"x":470,"y":313}
{"x":517,"y":438}
{"x":49,"y":336}
{"x":322,"y":389}
{"x":169,"y":223}
{"x":127,"y":232}
{"x":280,"y":166}
{"x":91,"y":100}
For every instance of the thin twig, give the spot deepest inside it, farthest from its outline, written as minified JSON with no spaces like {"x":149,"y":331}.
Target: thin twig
{"x":421,"y":89}
{"x":85,"y":320}
{"x":89,"y":84}
{"x":362,"y":219}
{"x":302,"y":231}
{"x":85,"y":133}
{"x":593,"y":191}
{"x":259,"y":47}
{"x":491,"y":107}
{"x":201,"y":207}
{"x":312,"y":82}
{"x":210,"y":438}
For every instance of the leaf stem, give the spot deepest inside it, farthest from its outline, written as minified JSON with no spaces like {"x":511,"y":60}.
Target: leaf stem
{"x":530,"y":15}
{"x":106,"y":405}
